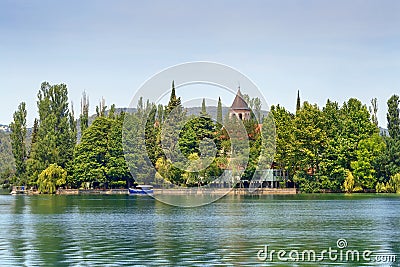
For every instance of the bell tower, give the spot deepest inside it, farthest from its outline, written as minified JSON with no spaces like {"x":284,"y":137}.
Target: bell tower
{"x":239,"y":108}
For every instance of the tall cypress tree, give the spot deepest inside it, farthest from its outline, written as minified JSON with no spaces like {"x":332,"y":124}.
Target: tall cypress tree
{"x":203,"y":108}
{"x":174,"y":102}
{"x":393,"y":117}
{"x":170,"y":134}
{"x":219,"y":111}
{"x":298,"y":105}
{"x":18,"y":136}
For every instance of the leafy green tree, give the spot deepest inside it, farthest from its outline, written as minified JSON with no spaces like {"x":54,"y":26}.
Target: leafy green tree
{"x":310,"y":138}
{"x":116,"y":167}
{"x":198,"y":137}
{"x":51,"y":178}
{"x":134,"y":144}
{"x":7,"y":162}
{"x":391,"y":158}
{"x":56,"y":137}
{"x":333,"y":164}
{"x":388,"y":164}
{"x":356,"y":126}
{"x":188,"y":142}
{"x":18,"y":137}
{"x":90,"y":157}
{"x":285,"y":139}
{"x":317,"y":147}
{"x":393,"y":117}
{"x":367,"y":151}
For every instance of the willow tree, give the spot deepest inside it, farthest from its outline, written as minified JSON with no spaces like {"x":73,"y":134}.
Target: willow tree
{"x":52,"y":177}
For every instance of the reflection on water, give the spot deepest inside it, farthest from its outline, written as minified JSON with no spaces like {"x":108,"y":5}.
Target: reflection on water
{"x":124,"y":230}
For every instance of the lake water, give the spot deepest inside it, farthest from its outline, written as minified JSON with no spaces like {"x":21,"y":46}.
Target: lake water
{"x":128,"y":231}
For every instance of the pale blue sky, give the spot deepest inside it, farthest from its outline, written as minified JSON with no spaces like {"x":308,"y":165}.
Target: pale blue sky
{"x":327,"y":49}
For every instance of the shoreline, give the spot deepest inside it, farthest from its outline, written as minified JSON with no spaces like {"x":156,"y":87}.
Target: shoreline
{"x":177,"y":192}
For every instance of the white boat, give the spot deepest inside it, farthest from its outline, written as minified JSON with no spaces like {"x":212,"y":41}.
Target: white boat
{"x":141,"y":190}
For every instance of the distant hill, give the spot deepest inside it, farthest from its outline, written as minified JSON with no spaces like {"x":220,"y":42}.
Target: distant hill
{"x":6,"y":156}
{"x":211,"y":110}
{"x":4,"y":128}
{"x":383,"y":131}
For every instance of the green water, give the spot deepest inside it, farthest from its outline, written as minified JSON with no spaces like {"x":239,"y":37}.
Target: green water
{"x":129,"y":231}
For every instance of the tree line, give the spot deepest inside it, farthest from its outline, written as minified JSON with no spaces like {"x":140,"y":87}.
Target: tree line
{"x":337,"y":148}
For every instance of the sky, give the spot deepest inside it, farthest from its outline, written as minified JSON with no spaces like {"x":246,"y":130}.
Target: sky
{"x":325,"y":49}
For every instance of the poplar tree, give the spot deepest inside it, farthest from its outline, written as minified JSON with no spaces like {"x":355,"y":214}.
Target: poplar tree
{"x":56,"y":136}
{"x":84,"y":117}
{"x":18,"y":137}
{"x":393,"y":117}
{"x":373,"y":109}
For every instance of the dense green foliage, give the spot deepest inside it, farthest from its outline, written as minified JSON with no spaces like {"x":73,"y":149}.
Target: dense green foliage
{"x":56,"y":133}
{"x":337,"y":148}
{"x":393,"y":117}
{"x":18,"y":136}
{"x":99,"y":158}
{"x":7,"y":162}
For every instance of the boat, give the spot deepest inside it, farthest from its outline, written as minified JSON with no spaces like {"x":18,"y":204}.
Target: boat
{"x":141,"y":190}
{"x":18,"y":190}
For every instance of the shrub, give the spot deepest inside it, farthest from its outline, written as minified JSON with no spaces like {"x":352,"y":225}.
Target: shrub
{"x":394,"y":183}
{"x":348,"y":184}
